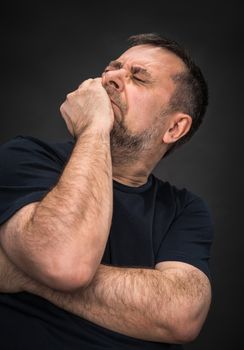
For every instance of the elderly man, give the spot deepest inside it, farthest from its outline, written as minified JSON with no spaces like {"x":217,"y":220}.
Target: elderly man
{"x":96,"y":252}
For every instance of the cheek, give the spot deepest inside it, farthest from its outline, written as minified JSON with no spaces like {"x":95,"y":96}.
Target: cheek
{"x":143,"y":104}
{"x":149,"y":102}
{"x":142,"y":113}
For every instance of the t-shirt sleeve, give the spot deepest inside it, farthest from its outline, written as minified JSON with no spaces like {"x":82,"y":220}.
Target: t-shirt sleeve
{"x":29,"y":169}
{"x":190,"y":235}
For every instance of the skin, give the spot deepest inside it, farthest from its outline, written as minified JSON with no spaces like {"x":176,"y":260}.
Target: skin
{"x":60,"y":240}
{"x":129,"y":118}
{"x":143,"y":130}
{"x":168,"y":304}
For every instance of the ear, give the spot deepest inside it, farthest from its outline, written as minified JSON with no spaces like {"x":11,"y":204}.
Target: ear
{"x":179,"y":124}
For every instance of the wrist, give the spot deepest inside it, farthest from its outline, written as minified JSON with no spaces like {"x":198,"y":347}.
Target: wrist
{"x":94,"y":131}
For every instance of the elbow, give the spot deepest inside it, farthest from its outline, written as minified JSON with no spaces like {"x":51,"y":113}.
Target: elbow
{"x":66,"y":278}
{"x":186,"y":334}
{"x":191,"y":320}
{"x":186,"y":329}
{"x":176,"y":332}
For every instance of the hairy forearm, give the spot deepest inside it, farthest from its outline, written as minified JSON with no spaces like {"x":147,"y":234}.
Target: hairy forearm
{"x":125,"y":300}
{"x":72,"y":222}
{"x":164,"y":306}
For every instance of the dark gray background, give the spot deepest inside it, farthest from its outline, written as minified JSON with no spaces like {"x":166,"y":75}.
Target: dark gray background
{"x":48,"y":48}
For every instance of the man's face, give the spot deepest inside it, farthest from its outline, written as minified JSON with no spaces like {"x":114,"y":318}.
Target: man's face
{"x":139,"y":85}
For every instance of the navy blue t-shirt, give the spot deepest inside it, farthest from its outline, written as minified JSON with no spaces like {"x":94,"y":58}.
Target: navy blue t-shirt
{"x":151,"y":223}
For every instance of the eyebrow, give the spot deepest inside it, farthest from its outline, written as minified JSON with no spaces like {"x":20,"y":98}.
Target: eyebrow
{"x":134,"y":69}
{"x":115,"y":64}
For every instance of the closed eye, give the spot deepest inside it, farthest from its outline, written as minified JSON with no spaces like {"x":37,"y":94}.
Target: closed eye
{"x":138,"y":79}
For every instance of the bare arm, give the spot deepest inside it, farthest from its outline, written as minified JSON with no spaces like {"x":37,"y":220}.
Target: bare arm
{"x":168,"y":306}
{"x":60,"y":240}
{"x":165,"y":306}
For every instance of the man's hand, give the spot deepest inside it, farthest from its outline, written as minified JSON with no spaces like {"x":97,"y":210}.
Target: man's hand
{"x":12,"y":280}
{"x":88,"y":106}
{"x":60,"y":239}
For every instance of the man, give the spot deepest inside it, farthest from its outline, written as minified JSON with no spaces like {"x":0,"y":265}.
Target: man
{"x":96,"y":251}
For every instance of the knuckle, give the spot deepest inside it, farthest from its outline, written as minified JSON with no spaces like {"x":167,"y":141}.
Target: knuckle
{"x":69,"y":95}
{"x":86,"y":81}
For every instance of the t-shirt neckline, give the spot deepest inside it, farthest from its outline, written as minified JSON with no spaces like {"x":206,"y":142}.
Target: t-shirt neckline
{"x":134,"y":189}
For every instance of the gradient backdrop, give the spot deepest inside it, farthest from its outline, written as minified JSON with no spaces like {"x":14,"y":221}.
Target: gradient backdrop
{"x":48,"y":48}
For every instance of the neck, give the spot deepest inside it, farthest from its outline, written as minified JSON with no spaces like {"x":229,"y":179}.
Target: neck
{"x":131,"y":175}
{"x":134,"y":172}
{"x":132,"y":181}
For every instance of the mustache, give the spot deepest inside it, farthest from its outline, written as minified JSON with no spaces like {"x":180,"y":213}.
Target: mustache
{"x":114,"y":95}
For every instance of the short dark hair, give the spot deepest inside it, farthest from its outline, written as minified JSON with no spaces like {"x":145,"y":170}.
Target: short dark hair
{"x":191,"y":92}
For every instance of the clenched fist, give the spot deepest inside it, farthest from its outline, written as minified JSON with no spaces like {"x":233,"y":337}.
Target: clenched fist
{"x":88,"y":106}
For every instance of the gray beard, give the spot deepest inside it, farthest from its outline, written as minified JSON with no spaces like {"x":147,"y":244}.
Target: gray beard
{"x":126,"y":147}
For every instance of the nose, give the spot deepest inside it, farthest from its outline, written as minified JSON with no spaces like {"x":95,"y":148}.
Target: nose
{"x":114,"y":79}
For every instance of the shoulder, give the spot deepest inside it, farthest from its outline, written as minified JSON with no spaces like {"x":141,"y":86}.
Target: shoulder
{"x":29,"y":168}
{"x":182,"y":200}
{"x":27,"y":148}
{"x":189,"y":234}
{"x":29,"y":144}
{"x":28,"y":159}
